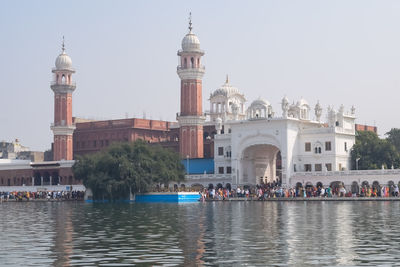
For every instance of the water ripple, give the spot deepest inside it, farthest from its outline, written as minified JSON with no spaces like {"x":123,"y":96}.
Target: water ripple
{"x":223,"y":233}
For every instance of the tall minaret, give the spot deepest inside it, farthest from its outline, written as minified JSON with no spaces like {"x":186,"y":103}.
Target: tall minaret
{"x":191,"y":117}
{"x":63,"y":87}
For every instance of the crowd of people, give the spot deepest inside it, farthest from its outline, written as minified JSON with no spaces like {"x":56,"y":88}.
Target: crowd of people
{"x":42,"y":195}
{"x":275,"y":190}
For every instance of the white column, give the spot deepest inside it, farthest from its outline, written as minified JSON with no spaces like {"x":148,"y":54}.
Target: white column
{"x":51,"y":179}
{"x":33,"y":181}
{"x":41,"y":180}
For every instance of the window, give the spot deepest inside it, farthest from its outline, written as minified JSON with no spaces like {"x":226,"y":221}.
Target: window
{"x":221,"y":170}
{"x":318,"y":167}
{"x":318,"y":150}
{"x":340,"y":166}
{"x":308,"y":147}
{"x":345,"y":146}
{"x":229,"y":169}
{"x":294,"y":168}
{"x":307,"y":167}
{"x":328,"y":146}
{"x":220,"y":151}
{"x":94,"y":143}
{"x":328,"y":167}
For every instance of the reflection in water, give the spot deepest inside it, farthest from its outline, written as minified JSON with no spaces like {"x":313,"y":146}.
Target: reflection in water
{"x":219,"y":233}
{"x":63,"y":248}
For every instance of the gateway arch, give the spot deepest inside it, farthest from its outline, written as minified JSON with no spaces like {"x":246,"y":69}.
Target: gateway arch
{"x":259,"y":160}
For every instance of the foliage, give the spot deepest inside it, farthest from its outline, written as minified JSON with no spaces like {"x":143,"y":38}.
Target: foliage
{"x":393,"y":137}
{"x":124,"y":167}
{"x":373,"y":152}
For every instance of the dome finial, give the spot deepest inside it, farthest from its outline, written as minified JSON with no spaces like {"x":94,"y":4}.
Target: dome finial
{"x":190,"y":22}
{"x":63,"y":45}
{"x":227,"y":79}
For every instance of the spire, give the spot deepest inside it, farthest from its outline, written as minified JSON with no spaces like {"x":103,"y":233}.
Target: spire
{"x":63,"y":45}
{"x":227,"y":79}
{"x":190,"y":22}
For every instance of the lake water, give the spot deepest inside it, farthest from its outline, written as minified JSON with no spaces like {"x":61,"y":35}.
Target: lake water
{"x":216,"y":233}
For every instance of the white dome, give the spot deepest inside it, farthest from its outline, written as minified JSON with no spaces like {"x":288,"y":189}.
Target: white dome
{"x":302,"y":102}
{"x":260,"y":102}
{"x":225,"y":90}
{"x":63,"y":62}
{"x":190,"y":42}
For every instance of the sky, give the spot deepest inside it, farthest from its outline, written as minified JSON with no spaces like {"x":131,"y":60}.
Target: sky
{"x":124,"y":53}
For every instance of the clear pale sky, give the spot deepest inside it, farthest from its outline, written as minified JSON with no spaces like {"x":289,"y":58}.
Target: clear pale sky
{"x":124,"y":52}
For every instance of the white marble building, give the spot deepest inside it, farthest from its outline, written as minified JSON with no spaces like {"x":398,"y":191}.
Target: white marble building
{"x":257,"y":144}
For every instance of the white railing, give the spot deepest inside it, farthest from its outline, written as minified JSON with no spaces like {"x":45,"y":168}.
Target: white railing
{"x":63,"y":83}
{"x":207,"y":176}
{"x":347,"y":173}
{"x":190,"y":68}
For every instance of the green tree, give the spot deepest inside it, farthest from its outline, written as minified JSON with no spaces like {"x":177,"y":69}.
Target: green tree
{"x":393,"y":136}
{"x":128,"y":167}
{"x":373,"y":152}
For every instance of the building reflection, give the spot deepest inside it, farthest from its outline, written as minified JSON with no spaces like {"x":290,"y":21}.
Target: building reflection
{"x":63,"y":247}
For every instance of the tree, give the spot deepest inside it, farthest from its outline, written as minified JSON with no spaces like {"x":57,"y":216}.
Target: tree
{"x":128,"y":167}
{"x":373,"y":152}
{"x":393,"y":136}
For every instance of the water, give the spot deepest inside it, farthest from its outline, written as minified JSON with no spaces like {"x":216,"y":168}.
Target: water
{"x":219,"y":233}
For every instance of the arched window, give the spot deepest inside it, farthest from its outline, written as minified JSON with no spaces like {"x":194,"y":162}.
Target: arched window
{"x":198,"y":62}
{"x":185,"y":63}
{"x":63,"y":79}
{"x":192,"y":62}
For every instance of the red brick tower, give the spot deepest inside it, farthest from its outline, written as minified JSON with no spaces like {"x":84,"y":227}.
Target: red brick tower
{"x":63,"y":87}
{"x":191,"y":117}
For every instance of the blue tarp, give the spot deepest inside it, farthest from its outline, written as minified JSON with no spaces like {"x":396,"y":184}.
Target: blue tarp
{"x":198,"y":166}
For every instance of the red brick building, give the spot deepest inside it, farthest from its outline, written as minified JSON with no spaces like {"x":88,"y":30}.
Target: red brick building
{"x":26,"y":173}
{"x":93,"y":136}
{"x":360,"y":127}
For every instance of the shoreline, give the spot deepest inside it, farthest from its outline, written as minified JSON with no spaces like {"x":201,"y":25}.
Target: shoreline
{"x":42,"y":200}
{"x":235,"y":199}
{"x":308,"y":199}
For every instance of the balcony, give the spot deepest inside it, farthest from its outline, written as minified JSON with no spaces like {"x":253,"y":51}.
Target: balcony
{"x":72,"y":84}
{"x":201,"y":68}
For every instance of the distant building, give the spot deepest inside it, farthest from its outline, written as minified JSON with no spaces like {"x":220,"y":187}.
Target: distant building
{"x":40,"y":174}
{"x":14,"y":150}
{"x":368,"y":128}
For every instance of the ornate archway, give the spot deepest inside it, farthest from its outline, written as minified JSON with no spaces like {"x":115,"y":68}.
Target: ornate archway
{"x":259,"y":164}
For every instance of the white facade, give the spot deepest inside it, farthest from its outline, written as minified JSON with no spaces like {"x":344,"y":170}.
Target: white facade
{"x":259,"y":146}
